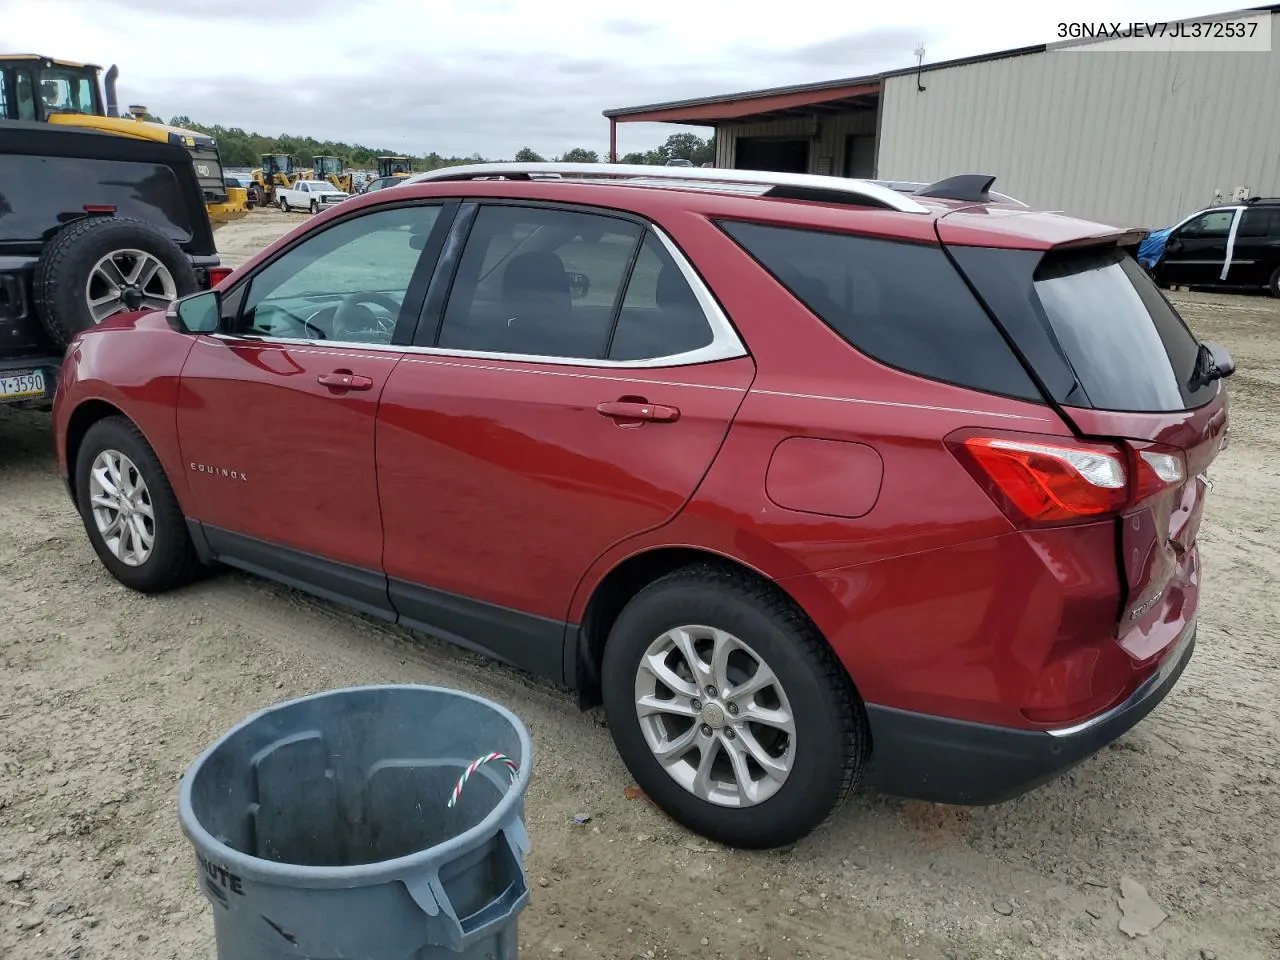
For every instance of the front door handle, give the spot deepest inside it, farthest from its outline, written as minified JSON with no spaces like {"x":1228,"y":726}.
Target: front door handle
{"x":345,"y":380}
{"x":638,"y":410}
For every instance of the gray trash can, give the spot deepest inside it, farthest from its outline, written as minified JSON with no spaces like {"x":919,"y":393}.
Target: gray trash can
{"x":323,"y":828}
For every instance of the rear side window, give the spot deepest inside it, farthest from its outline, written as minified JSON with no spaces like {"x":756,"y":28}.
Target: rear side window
{"x":900,"y":303}
{"x":1260,"y":222}
{"x":1127,"y":345}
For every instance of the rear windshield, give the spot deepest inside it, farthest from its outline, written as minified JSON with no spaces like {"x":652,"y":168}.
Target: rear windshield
{"x":1127,"y":345}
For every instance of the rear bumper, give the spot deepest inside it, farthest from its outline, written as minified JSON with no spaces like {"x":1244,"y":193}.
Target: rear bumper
{"x":941,"y":760}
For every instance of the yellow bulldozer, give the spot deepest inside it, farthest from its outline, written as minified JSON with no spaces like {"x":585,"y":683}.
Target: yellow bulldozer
{"x":333,"y":170}
{"x":43,"y":89}
{"x":277,"y":170}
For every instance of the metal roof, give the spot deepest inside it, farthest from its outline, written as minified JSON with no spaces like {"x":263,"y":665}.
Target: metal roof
{"x":697,"y":108}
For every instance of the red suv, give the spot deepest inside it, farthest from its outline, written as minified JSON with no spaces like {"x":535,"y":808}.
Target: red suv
{"x":809,"y":480}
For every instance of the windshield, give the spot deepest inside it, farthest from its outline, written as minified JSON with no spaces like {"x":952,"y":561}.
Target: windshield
{"x":1129,"y":348}
{"x":67,"y":90}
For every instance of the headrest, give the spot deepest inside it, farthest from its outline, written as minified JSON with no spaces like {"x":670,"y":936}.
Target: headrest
{"x":538,"y":271}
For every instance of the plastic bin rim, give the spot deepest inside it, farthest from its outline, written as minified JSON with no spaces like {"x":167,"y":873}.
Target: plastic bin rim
{"x":363,"y":874}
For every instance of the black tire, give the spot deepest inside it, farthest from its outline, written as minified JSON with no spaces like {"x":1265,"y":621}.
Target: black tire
{"x":62,"y":273}
{"x":315,"y":208}
{"x":1273,"y":285}
{"x":832,"y":739}
{"x":172,"y":561}
{"x":284,"y":204}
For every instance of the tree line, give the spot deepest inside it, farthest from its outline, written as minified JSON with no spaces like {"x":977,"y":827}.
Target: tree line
{"x":240,"y":148}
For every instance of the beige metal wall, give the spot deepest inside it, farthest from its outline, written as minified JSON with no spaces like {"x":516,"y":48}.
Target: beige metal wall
{"x":829,"y":144}
{"x":1136,"y":138}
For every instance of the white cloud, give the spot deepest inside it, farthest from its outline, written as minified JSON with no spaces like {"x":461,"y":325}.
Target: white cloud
{"x":490,"y":76}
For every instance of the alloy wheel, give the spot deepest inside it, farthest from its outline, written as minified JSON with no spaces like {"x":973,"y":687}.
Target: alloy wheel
{"x":715,"y":716}
{"x":126,"y":280}
{"x":122,"y":508}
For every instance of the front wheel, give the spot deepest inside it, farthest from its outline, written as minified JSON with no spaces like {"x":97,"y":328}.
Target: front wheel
{"x":730,"y":710}
{"x":129,"y":509}
{"x":1273,"y":285}
{"x":315,"y":208}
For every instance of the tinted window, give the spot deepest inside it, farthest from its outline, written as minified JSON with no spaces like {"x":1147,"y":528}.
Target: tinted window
{"x":1260,"y":222}
{"x":903,"y":304}
{"x":660,"y":314}
{"x":1216,"y":223}
{"x":1129,"y":348}
{"x":538,"y":282}
{"x":344,"y":283}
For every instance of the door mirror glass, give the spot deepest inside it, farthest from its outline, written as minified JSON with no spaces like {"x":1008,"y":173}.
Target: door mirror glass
{"x":198,"y":313}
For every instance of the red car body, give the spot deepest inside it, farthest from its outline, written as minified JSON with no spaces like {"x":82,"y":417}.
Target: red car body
{"x":490,"y":502}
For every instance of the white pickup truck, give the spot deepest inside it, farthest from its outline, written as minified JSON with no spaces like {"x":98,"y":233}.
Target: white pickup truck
{"x":313,"y":195}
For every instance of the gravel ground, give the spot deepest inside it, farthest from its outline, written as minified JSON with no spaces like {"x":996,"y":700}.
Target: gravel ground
{"x":105,"y":696}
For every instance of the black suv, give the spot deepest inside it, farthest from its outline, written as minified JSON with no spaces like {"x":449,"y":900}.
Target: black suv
{"x":1236,"y":245}
{"x":91,"y":225}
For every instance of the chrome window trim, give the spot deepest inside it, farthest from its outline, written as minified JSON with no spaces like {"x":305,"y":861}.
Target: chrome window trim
{"x":725,"y":343}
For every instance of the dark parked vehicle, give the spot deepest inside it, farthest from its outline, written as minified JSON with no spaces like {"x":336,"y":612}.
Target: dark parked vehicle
{"x":91,"y":225}
{"x":813,"y":482}
{"x":1235,"y":245}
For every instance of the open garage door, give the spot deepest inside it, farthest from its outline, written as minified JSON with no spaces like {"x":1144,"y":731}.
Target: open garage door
{"x":768,"y":153}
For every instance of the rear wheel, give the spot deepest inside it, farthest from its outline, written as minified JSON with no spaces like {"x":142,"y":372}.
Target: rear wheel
{"x":730,"y":710}
{"x":129,"y":509}
{"x":1273,"y":285}
{"x":97,"y":267}
{"x":284,"y":204}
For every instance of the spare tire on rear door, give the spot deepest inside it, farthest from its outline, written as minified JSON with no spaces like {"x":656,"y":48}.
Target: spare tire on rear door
{"x":100,"y":266}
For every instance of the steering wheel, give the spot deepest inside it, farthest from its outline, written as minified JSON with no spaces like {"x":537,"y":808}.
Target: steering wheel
{"x":353,"y":313}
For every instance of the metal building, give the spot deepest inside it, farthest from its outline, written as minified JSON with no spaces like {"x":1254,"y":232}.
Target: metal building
{"x":1098,"y":129}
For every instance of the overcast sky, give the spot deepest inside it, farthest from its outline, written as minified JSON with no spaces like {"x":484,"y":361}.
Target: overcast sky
{"x":491,"y":76}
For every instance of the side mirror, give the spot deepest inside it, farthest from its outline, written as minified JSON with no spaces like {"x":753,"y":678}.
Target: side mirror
{"x":1222,"y":362}
{"x":196,"y":314}
{"x":579,"y":286}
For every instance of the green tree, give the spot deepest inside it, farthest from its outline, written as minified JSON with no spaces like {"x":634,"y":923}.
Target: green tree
{"x":580,"y":155}
{"x":528,"y":155}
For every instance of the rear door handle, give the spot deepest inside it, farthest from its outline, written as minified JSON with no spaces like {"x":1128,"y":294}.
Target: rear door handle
{"x":345,"y":380}
{"x":638,"y":410}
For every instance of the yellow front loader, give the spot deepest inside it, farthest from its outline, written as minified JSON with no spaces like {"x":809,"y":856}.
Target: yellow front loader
{"x":277,"y":170}
{"x":395,"y":167}
{"x":333,"y":170}
{"x":39,"y":88}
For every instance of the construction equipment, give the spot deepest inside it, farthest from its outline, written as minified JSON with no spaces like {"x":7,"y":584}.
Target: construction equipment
{"x":43,"y":89}
{"x":277,"y":170}
{"x":333,"y":170}
{"x":394,"y":166}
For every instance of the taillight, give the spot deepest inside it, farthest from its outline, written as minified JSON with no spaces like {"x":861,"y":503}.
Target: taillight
{"x":1054,"y":480}
{"x":1155,"y":472}
{"x":1049,"y":482}
{"x":218,"y":274}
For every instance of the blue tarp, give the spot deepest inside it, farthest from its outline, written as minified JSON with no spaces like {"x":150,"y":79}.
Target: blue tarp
{"x":1152,"y":249}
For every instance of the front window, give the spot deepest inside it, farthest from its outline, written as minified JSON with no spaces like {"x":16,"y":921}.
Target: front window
{"x":346,"y":283}
{"x":66,"y":90}
{"x":1216,"y":223}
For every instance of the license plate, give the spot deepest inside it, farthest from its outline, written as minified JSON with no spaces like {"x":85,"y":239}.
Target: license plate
{"x":16,"y":386}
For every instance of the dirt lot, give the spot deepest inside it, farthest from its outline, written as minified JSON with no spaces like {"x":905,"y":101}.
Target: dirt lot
{"x":105,"y":696}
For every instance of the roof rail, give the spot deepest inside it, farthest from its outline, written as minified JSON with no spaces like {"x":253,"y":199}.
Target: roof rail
{"x":787,"y":186}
